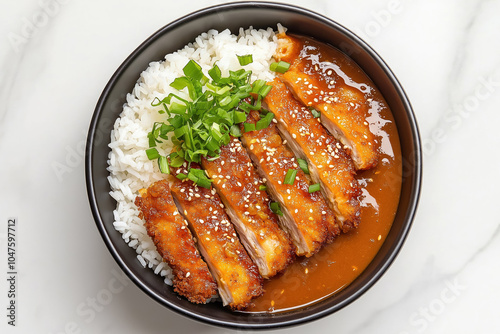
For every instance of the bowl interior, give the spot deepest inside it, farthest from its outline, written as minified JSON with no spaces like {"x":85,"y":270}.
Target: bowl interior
{"x":233,"y":16}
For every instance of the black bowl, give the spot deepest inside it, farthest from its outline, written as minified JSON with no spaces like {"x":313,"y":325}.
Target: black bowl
{"x":233,"y":16}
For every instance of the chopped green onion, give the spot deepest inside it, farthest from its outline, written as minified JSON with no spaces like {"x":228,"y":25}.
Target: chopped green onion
{"x":151,"y":139}
{"x":290,"y":176}
{"x":249,"y":127}
{"x":235,"y":131}
{"x":262,"y":187}
{"x":314,"y":187}
{"x":222,"y":91}
{"x":193,"y":71}
{"x":181,"y":83}
{"x":303,"y":165}
{"x":181,"y":131}
{"x":275,"y":207}
{"x":156,"y":104}
{"x":264,"y":122}
{"x":225,"y":101}
{"x":314,"y":112}
{"x":239,"y":117}
{"x":163,"y":165}
{"x":213,"y":158}
{"x":177,"y":108}
{"x":265,"y":90}
{"x":280,"y":67}
{"x":199,"y":125}
{"x":181,"y":176}
{"x":175,"y":159}
{"x":215,"y":73}
{"x":245,"y":60}
{"x":152,"y":153}
{"x":257,"y":86}
{"x":198,"y":176}
{"x":205,"y":183}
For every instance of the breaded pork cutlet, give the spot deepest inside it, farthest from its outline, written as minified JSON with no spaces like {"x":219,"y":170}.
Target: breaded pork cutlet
{"x":237,"y":277}
{"x":329,"y":164}
{"x":238,"y":185}
{"x":174,"y":242}
{"x":305,"y":215}
{"x":343,"y":106}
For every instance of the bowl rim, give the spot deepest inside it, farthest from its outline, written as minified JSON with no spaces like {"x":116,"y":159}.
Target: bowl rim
{"x":416,"y":172}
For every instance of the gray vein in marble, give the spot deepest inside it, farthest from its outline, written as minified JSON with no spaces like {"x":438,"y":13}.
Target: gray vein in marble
{"x":14,"y":59}
{"x":460,"y":59}
{"x":10,"y":71}
{"x":461,"y":56}
{"x":423,"y":281}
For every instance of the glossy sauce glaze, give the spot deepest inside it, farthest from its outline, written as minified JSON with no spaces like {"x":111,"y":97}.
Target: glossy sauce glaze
{"x":309,"y":280}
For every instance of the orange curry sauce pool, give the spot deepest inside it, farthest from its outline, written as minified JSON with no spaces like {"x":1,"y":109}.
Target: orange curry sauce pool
{"x":309,"y":280}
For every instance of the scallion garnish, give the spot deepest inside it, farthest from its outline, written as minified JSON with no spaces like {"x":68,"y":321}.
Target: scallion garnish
{"x":262,"y":187}
{"x":249,"y":127}
{"x":151,"y":139}
{"x":290,"y":176}
{"x":176,"y":160}
{"x":215,"y":73}
{"x":264,"y":122}
{"x":275,"y":207}
{"x":314,"y":187}
{"x":199,"y":177}
{"x":316,"y":113}
{"x":193,"y":71}
{"x":265,"y":90}
{"x":257,"y":86}
{"x":245,"y":60}
{"x":303,"y":165}
{"x":235,"y":131}
{"x":280,"y":67}
{"x":181,"y":176}
{"x":152,"y":153}
{"x":163,"y":164}
{"x":200,"y":125}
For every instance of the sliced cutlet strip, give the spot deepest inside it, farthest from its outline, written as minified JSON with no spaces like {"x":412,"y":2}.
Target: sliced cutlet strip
{"x":306,"y":216}
{"x":237,"y":184}
{"x":174,"y":242}
{"x":317,"y":82}
{"x":329,"y":164}
{"x":237,"y":276}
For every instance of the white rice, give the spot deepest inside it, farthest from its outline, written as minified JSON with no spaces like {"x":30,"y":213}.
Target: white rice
{"x":129,"y":167}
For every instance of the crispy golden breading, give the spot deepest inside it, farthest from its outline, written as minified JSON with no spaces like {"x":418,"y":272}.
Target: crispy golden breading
{"x":174,"y":242}
{"x":237,"y":183}
{"x":344,"y":108}
{"x":329,"y":163}
{"x":306,"y":216}
{"x":237,"y":276}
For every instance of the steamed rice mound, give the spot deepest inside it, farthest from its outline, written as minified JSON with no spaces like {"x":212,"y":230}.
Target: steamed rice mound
{"x":129,"y":167}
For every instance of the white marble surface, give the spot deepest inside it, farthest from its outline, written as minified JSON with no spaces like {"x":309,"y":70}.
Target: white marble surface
{"x":55,"y":58}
